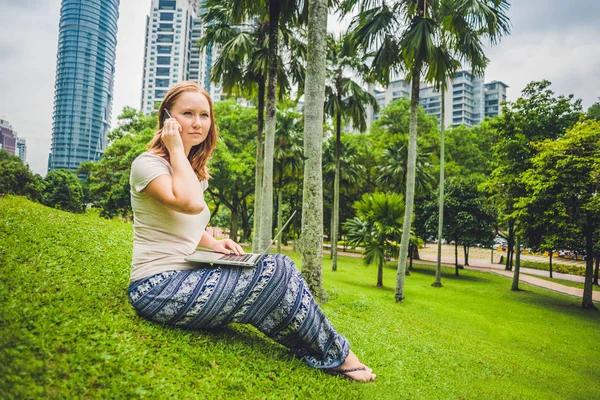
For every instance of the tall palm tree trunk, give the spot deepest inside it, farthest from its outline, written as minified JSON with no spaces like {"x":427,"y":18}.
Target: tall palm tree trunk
{"x":266,"y":218}
{"x":279,"y":214}
{"x":336,"y":187}
{"x":456,"y":258}
{"x":260,"y":155}
{"x":312,"y":197}
{"x":410,"y":183}
{"x":587,"y":302}
{"x":515,"y":282}
{"x":438,"y":268}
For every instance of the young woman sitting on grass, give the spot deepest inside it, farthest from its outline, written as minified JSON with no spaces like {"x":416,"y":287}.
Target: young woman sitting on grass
{"x":170,"y":218}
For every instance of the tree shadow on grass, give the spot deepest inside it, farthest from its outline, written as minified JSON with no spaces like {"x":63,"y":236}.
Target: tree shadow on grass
{"x":558,"y":302}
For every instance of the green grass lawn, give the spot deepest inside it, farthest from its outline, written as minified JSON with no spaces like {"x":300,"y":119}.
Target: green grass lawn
{"x":67,"y":330}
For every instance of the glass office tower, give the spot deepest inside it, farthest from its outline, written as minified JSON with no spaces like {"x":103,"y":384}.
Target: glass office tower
{"x":83,"y":91}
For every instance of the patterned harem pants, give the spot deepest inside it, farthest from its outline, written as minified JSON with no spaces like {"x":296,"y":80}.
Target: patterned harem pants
{"x":272,"y":296}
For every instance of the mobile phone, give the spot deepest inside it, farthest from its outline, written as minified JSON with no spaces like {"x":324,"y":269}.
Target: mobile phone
{"x":166,"y":115}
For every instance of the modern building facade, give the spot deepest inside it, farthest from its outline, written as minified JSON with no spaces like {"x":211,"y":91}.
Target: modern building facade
{"x":22,"y":149}
{"x":495,"y":93}
{"x":8,"y":138}
{"x":172,"y":29}
{"x":11,"y":142}
{"x":85,"y":71}
{"x":468,"y":99}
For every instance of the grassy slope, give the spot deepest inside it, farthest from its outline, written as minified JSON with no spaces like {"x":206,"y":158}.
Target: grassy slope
{"x":67,"y":330}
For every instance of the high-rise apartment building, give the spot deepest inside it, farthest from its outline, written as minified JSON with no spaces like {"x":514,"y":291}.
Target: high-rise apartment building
{"x":8,"y":139}
{"x":172,"y":29}
{"x":87,"y":42}
{"x":495,"y":93}
{"x":468,"y":99}
{"x":10,"y":142}
{"x":22,"y":149}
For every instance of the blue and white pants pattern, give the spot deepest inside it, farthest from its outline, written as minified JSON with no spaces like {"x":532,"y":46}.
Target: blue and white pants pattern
{"x":272,"y":296}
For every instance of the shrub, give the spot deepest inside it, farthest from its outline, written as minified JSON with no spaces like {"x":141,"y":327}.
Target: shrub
{"x":561,"y":268}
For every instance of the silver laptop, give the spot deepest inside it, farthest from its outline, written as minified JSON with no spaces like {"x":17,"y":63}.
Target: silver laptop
{"x":247,"y":260}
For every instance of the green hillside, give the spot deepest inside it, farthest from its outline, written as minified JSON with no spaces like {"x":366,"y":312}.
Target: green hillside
{"x":67,"y":330}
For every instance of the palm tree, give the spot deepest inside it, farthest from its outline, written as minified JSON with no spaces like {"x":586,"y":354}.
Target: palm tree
{"x":438,"y":266}
{"x":287,"y":13}
{"x":344,"y":98}
{"x":244,"y":62}
{"x":393,"y":169}
{"x":351,"y":173}
{"x":314,"y":94}
{"x":240,"y":68}
{"x":424,"y":38}
{"x":378,"y":222}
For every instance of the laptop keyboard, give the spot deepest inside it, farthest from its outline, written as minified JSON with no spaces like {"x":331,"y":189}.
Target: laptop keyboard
{"x":233,"y":257}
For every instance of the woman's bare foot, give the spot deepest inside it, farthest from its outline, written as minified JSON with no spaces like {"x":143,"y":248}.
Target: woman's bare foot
{"x":356,"y":370}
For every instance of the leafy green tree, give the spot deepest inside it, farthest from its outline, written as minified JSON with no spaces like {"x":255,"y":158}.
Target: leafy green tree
{"x":288,"y":155}
{"x":353,"y":175}
{"x":16,"y":178}
{"x":377,"y":224}
{"x":537,"y":115}
{"x":564,"y":177}
{"x":108,"y":179}
{"x":346,"y":100}
{"x":469,"y":151}
{"x":231,"y":166}
{"x":594,"y":111}
{"x":390,"y":140}
{"x":63,"y":190}
{"x":426,"y":39}
{"x":468,"y":218}
{"x":314,"y":96}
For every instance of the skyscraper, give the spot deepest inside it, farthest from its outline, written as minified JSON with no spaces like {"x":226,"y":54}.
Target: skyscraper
{"x":172,"y":29}
{"x":8,"y":139}
{"x":468,"y":99}
{"x":87,"y":42}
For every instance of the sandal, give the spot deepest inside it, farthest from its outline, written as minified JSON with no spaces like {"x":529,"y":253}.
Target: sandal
{"x":343,"y":372}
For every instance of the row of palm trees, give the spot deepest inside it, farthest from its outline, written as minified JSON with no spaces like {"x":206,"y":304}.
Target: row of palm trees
{"x":263,"y":54}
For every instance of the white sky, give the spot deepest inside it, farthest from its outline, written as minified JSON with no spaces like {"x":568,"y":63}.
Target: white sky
{"x":551,"y":39}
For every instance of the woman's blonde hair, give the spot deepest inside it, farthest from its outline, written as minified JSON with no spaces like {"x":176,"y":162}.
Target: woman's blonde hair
{"x":199,"y":154}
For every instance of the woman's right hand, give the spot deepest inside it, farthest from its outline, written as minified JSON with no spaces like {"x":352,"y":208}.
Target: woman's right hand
{"x":171,"y":135}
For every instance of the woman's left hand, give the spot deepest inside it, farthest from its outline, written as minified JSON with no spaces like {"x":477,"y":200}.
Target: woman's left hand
{"x":228,"y":246}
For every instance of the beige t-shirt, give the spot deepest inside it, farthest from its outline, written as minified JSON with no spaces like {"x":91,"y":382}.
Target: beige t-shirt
{"x":161,"y":237}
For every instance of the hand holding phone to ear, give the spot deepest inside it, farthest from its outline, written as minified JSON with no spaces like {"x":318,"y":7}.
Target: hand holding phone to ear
{"x":171,"y":133}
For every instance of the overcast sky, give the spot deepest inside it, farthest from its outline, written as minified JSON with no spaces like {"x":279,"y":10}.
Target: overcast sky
{"x":551,"y":39}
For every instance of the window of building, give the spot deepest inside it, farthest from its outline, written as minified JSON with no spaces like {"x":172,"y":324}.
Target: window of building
{"x":165,"y":27}
{"x":165,"y":39}
{"x":163,"y":60}
{"x":167,"y":4}
{"x":162,"y":82}
{"x":166,"y":16}
{"x":164,"y":49}
{"x":162,"y":71}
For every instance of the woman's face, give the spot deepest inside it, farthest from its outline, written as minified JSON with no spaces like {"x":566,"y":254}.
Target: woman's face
{"x":192,"y":111}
